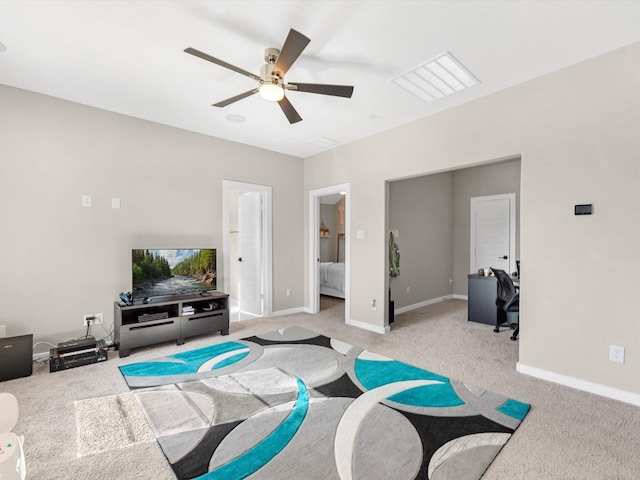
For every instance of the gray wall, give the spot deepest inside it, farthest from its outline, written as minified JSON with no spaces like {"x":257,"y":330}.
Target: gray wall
{"x":61,"y":260}
{"x":421,"y":210}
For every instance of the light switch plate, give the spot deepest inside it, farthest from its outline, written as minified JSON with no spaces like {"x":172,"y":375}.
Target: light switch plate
{"x":360,"y":234}
{"x":86,"y":200}
{"x":115,"y":203}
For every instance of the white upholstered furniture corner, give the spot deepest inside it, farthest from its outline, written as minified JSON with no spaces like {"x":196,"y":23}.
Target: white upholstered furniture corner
{"x":12,"y":464}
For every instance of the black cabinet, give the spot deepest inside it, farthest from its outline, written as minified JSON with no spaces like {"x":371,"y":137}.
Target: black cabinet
{"x":482,"y":299}
{"x":182,"y":317}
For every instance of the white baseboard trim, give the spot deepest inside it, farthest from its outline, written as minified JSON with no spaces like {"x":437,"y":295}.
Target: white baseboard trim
{"x":368,"y":326}
{"x":291,"y":311}
{"x":415,"y":306}
{"x":603,"y":390}
{"x":461,"y":297}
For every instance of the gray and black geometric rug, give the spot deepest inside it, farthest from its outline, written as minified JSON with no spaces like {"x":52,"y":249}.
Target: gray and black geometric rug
{"x":293,"y":404}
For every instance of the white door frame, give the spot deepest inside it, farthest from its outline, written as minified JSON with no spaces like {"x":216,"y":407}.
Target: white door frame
{"x":314,"y":246}
{"x":512,"y":228}
{"x":267,"y":257}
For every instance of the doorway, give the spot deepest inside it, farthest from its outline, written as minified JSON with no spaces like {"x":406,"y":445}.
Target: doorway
{"x":329,"y":243}
{"x":247,"y":242}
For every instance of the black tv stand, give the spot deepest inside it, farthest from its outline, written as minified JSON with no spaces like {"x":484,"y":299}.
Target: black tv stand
{"x":163,"y":319}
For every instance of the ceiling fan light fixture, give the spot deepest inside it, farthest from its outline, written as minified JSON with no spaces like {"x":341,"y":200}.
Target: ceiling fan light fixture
{"x":274,"y":92}
{"x":271,"y":85}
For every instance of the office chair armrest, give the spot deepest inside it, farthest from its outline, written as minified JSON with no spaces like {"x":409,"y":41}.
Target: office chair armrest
{"x":514,"y":299}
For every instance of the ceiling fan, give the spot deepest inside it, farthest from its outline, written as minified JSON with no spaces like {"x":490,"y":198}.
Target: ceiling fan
{"x":271,"y":79}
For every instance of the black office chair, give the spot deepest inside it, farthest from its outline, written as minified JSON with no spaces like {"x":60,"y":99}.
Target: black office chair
{"x":507,"y":301}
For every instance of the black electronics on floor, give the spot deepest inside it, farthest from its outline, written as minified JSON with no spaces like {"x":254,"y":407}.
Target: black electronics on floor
{"x":77,"y":346}
{"x":76,"y":353}
{"x":16,"y":357}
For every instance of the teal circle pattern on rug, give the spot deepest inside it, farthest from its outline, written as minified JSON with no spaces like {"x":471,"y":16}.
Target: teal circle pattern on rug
{"x":185,"y":362}
{"x":230,"y":360}
{"x":375,"y":373}
{"x":255,"y":458}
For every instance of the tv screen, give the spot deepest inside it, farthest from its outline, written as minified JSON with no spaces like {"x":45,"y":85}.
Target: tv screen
{"x":158,"y":273}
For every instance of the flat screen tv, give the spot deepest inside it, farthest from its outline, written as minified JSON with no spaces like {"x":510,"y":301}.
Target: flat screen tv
{"x":159,"y":273}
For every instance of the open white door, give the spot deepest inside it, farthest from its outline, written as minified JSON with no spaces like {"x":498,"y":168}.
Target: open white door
{"x":231,"y":192}
{"x":493,"y":232}
{"x":250,"y":248}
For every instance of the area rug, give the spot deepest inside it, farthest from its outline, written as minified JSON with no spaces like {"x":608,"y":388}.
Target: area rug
{"x":293,"y":404}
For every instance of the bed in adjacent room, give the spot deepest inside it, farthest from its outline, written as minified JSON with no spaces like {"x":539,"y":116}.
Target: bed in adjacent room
{"x":332,"y":279}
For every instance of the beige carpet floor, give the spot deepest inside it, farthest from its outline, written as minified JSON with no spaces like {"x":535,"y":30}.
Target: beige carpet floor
{"x":81,"y":423}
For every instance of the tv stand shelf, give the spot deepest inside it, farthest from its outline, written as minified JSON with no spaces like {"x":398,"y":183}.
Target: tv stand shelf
{"x":165,"y":319}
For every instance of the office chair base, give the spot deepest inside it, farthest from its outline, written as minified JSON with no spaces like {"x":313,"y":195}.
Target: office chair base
{"x":515,"y":334}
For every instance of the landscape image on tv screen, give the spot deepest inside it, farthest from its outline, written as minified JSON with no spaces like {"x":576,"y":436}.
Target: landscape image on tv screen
{"x":158,"y":273}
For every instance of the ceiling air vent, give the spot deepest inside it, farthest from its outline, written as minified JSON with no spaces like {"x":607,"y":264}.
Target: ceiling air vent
{"x":437,"y":78}
{"x":323,"y":142}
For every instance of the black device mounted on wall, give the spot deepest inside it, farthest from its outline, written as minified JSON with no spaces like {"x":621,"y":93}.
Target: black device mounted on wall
{"x":585,"y":209}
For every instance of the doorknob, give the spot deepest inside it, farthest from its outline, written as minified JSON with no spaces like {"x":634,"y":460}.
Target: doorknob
{"x":240,"y":259}
{"x":504,"y":257}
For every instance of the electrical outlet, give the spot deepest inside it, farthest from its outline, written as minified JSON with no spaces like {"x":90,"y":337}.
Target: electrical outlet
{"x":451,"y":281}
{"x":616,"y":353}
{"x":408,"y":290}
{"x":288,"y":292}
{"x":92,"y":319}
{"x":373,"y":305}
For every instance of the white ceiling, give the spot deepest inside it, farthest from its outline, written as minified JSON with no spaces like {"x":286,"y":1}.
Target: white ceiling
{"x":127,"y":57}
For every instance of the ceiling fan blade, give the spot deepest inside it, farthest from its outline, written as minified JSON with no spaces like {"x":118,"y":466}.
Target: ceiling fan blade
{"x":231,"y":100}
{"x":289,"y":111}
{"x":222,"y":63}
{"x":290,"y":51}
{"x":335,"y":90}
